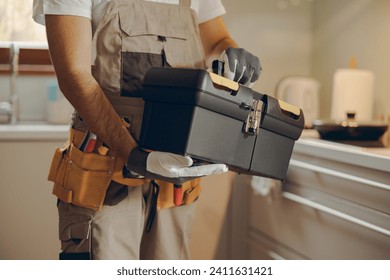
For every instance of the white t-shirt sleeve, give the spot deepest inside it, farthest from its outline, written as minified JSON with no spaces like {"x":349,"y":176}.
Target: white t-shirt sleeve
{"x":206,"y":9}
{"x":210,"y":9}
{"x":61,"y":7}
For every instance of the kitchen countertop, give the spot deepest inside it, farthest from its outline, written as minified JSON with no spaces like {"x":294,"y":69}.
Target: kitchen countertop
{"x":33,"y":131}
{"x":375,"y":158}
{"x":309,"y":143}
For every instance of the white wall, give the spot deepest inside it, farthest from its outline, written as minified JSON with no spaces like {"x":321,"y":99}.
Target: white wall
{"x":281,"y":38}
{"x":314,"y":39}
{"x":345,"y":28}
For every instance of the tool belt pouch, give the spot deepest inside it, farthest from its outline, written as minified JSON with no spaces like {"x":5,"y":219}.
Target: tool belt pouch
{"x":81,"y":178}
{"x":191,"y":191}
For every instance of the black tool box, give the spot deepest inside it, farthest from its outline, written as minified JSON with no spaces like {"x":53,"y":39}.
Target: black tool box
{"x":196,"y":113}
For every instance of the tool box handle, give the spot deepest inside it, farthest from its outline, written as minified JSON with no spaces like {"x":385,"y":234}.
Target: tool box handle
{"x":289,"y":108}
{"x":224,"y":82}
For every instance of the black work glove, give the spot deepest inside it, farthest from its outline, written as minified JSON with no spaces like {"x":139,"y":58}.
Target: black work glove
{"x":241,"y":66}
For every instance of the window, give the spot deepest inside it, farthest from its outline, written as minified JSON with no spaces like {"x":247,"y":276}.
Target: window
{"x":18,"y":28}
{"x":16,"y":23}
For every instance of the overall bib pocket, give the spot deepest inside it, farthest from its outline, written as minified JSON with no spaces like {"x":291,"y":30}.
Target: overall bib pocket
{"x":146,"y":43}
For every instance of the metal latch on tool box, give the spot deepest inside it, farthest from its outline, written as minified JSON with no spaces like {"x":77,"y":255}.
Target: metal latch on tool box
{"x":252,"y":124}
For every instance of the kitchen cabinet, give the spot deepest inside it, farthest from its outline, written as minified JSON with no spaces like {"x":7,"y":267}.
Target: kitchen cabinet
{"x":334,"y":204}
{"x":28,"y":213}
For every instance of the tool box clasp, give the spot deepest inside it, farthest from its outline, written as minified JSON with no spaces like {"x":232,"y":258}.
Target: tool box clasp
{"x":252,"y":124}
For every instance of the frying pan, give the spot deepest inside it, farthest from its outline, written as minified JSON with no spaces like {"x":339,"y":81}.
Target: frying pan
{"x":350,"y":129}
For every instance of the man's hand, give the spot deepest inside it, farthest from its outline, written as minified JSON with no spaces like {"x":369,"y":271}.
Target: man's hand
{"x":176,"y":166}
{"x":240,"y":66}
{"x":168,"y":166}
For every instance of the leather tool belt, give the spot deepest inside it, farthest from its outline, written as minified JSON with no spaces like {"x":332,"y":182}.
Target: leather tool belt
{"x":82,"y":178}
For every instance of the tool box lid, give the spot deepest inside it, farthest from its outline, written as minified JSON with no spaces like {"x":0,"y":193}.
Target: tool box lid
{"x":210,"y":91}
{"x":281,"y":117}
{"x":197,"y":87}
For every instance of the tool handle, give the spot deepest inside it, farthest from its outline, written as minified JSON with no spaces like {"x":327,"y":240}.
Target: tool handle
{"x":289,"y":108}
{"x":91,"y":144}
{"x":177,"y":195}
{"x":217,"y":78}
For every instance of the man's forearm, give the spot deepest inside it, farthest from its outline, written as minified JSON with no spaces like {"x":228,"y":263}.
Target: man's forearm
{"x":215,"y":38}
{"x":96,"y":110}
{"x":69,"y":39}
{"x":220,"y":46}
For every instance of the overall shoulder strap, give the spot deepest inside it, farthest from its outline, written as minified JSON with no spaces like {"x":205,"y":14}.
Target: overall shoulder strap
{"x":186,"y":3}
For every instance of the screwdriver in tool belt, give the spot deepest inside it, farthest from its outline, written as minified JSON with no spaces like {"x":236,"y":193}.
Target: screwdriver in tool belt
{"x":177,"y":195}
{"x":91,"y":144}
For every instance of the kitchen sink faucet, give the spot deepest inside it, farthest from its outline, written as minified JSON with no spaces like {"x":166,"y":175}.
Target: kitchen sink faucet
{"x":9,"y":109}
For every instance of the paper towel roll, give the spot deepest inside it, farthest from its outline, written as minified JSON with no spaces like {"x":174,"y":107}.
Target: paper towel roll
{"x":353,"y":91}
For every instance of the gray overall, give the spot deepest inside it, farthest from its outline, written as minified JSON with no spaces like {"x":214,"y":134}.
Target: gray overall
{"x":133,"y":36}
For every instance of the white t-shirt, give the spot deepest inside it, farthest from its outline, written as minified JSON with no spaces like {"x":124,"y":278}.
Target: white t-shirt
{"x":94,"y":9}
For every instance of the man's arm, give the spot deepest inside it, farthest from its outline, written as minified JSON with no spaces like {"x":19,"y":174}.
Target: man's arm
{"x":239,"y":64}
{"x":70,"y":39}
{"x":215,"y":38}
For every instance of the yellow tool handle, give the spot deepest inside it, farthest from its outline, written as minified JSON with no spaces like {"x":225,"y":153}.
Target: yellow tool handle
{"x":222,"y":81}
{"x":289,"y":108}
